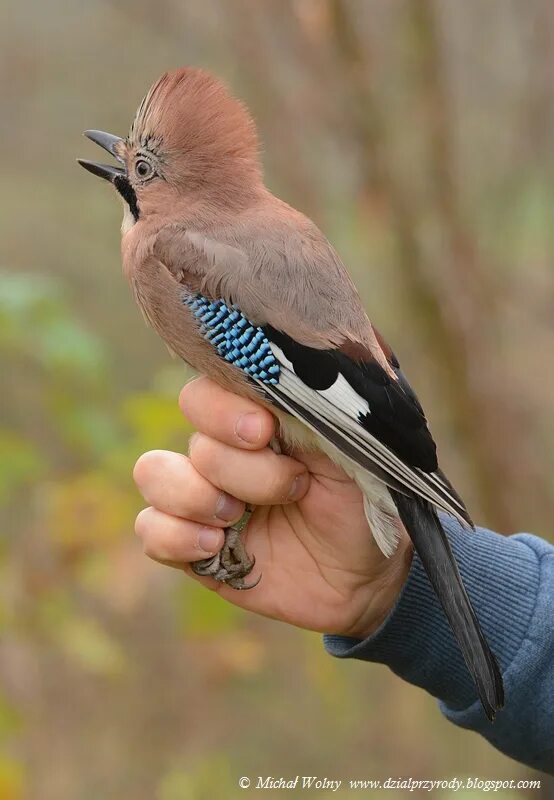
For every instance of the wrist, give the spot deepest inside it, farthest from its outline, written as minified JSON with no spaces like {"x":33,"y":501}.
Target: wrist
{"x":383,"y":590}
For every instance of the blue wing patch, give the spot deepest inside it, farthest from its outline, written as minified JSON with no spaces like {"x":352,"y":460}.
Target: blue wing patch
{"x":235,"y":338}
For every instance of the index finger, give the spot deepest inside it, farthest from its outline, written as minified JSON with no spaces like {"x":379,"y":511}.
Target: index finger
{"x":225,"y":416}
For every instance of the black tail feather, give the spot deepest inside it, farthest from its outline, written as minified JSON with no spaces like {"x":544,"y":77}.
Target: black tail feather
{"x":431,"y":544}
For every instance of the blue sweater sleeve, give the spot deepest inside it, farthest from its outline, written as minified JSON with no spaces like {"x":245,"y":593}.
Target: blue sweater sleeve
{"x":511,"y":584}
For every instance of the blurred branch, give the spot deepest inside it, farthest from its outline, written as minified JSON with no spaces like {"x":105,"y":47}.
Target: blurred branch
{"x":452,"y":304}
{"x":498,"y":434}
{"x":268,"y":95}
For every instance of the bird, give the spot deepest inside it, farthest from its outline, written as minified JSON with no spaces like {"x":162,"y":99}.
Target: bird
{"x":248,"y":290}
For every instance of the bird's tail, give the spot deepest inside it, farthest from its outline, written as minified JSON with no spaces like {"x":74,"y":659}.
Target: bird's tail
{"x":433,"y":548}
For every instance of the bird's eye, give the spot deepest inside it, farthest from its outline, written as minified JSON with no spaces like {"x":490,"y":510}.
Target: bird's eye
{"x":143,"y":169}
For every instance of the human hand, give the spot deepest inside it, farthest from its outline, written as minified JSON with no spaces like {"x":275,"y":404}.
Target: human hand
{"x":320,"y":567}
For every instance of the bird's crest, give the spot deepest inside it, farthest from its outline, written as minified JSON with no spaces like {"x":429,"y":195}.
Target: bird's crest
{"x":187,"y":111}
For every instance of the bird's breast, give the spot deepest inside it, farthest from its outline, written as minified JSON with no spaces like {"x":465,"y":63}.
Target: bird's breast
{"x":209,"y":336}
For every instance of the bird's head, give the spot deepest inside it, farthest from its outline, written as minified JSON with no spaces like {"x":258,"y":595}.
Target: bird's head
{"x":190,"y":143}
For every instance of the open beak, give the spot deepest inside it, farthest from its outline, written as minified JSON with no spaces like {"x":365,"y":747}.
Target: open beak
{"x":109,"y":143}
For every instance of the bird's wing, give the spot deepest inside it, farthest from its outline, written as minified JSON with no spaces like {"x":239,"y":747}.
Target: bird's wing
{"x":330,"y":368}
{"x":367,"y":415}
{"x":288,"y":275}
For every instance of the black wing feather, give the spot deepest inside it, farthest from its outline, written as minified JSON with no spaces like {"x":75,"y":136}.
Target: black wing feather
{"x":395,"y":418}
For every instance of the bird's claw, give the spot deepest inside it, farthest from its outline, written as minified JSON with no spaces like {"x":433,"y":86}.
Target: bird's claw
{"x":232,"y":564}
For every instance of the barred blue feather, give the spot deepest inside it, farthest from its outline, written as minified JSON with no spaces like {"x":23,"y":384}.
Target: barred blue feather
{"x":235,"y":338}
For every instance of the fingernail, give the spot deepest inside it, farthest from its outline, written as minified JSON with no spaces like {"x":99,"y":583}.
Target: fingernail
{"x":249,"y":427}
{"x":209,"y":540}
{"x":228,"y":508}
{"x":299,"y":487}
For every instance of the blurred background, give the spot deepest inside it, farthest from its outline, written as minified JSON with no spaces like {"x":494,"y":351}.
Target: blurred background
{"x":419,"y":135}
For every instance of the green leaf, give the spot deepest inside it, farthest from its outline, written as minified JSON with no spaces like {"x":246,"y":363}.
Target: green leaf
{"x":20,"y":463}
{"x":35,"y":319}
{"x":156,"y":420}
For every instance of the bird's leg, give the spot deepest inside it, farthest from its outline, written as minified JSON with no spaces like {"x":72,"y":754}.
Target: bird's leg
{"x":232,"y":564}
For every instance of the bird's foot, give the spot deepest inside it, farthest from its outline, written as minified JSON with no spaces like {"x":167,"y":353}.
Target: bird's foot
{"x":232,"y":564}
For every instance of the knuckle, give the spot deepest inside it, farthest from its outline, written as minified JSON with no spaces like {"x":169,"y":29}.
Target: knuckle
{"x":189,"y":392}
{"x":201,"y":449}
{"x":142,"y":522}
{"x":147,"y":465}
{"x":182,"y":469}
{"x":151,"y":541}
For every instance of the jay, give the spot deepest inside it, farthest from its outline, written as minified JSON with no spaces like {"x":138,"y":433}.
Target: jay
{"x":249,"y":291}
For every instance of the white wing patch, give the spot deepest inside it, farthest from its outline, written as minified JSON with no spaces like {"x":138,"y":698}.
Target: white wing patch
{"x":342,"y":395}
